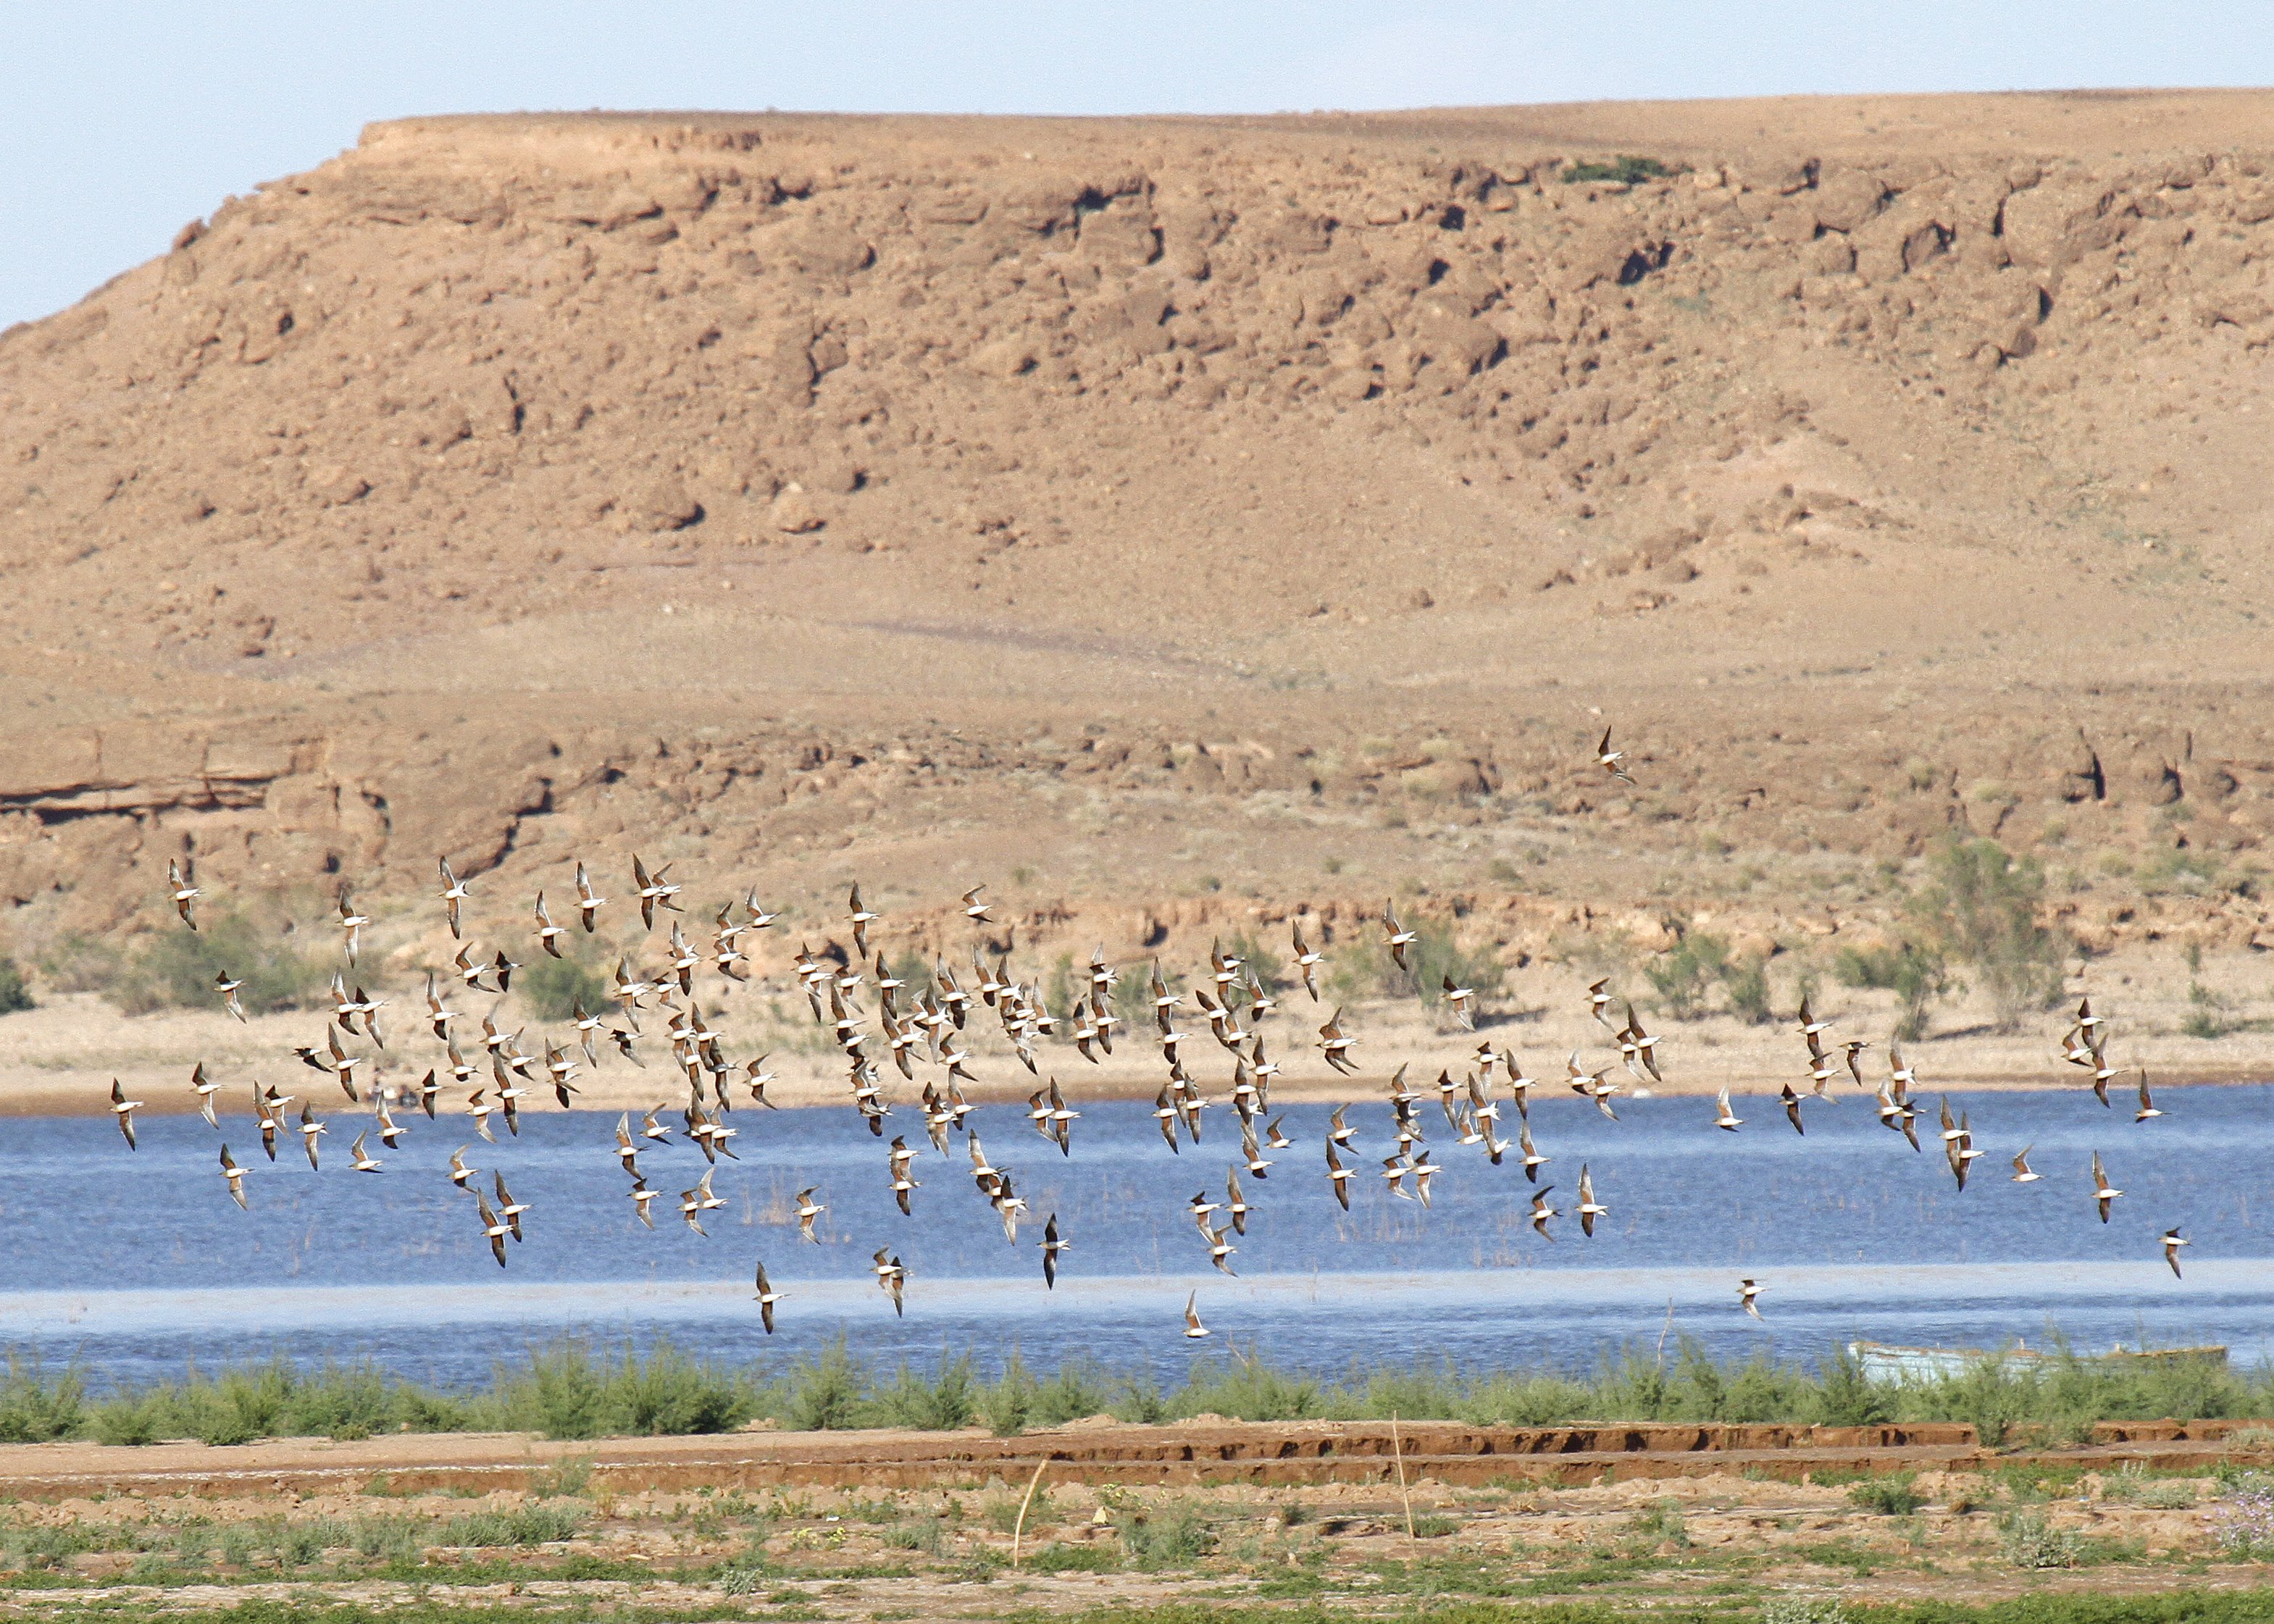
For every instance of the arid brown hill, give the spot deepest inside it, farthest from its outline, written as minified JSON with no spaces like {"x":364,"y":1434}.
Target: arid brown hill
{"x":1126,"y":509}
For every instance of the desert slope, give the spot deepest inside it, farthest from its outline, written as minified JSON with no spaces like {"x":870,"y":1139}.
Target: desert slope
{"x":1155,"y":515}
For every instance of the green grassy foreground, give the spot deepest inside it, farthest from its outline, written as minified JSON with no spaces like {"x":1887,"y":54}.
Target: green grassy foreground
{"x":569,"y":1390}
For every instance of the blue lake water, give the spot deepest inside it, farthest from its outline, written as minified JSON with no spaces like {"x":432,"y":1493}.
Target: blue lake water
{"x":136,"y":1262}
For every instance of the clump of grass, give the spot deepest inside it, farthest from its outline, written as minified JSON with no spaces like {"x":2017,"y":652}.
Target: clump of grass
{"x":1803,"y":1610}
{"x":1164,"y":1536}
{"x":523,"y":1525}
{"x":388,"y":1539}
{"x":564,"y":1479}
{"x":742,"y":1577}
{"x":2029,"y":1540}
{"x":1889,"y":1496}
{"x":1001,"y":1511}
{"x":1661,"y":1519}
{"x":927,"y":1535}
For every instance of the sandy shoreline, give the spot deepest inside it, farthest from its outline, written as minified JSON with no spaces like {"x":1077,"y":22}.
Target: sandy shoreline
{"x":59,"y":1059}
{"x":87,"y":1094}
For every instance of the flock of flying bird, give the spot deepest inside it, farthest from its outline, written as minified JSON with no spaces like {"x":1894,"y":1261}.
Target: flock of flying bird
{"x":927,"y":1026}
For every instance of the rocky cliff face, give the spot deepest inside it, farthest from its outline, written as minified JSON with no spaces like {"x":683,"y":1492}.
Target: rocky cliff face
{"x":895,"y":494}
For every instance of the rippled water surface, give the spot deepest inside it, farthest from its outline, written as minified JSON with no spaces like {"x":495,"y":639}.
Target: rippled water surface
{"x":136,"y":1262}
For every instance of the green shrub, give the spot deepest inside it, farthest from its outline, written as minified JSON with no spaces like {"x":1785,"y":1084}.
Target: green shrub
{"x":825,"y":1392}
{"x":14,"y":995}
{"x":1625,"y":169}
{"x":1074,"y":1392}
{"x":1803,"y":1610}
{"x":1005,"y":1403}
{"x":37,"y":1409}
{"x":1683,"y":977}
{"x":1980,"y":908}
{"x":948,"y":1400}
{"x":344,"y":1403}
{"x":174,"y":968}
{"x":2030,"y":1541}
{"x":124,"y":1421}
{"x":1165,"y":1536}
{"x":1247,"y":1390}
{"x":927,"y":1535}
{"x":1058,"y":1557}
{"x":76,"y":962}
{"x":1267,"y":964}
{"x":1662,"y":1519}
{"x":565,"y":1391}
{"x":1746,"y":984}
{"x":667,"y":1394}
{"x":1366,"y":968}
{"x":1889,"y":1496}
{"x":1916,"y":975}
{"x":2208,"y":1015}
{"x":553,"y":987}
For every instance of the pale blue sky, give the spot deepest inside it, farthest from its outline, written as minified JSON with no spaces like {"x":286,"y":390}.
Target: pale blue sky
{"x":119,"y":121}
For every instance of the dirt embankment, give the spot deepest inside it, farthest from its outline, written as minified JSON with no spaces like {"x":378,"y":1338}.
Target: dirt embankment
{"x":1206,"y":1450}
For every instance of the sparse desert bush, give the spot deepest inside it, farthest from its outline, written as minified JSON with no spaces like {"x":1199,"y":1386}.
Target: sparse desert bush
{"x":1685,"y":976}
{"x":14,"y":995}
{"x":1165,"y":1536}
{"x":1889,"y":1496}
{"x":554,"y":987}
{"x":1661,"y":1519}
{"x":1915,"y":972}
{"x":76,"y":962}
{"x":1980,"y":909}
{"x":1366,"y":968}
{"x":1625,"y":169}
{"x":35,"y":1407}
{"x":2031,"y":1541}
{"x":2208,"y":1015}
{"x":1803,"y":1610}
{"x":175,"y":967}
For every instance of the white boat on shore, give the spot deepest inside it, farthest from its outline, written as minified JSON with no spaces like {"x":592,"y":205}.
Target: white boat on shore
{"x":1885,"y":1362}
